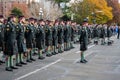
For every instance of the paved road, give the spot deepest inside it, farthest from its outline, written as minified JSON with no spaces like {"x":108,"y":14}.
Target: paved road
{"x":104,"y":64}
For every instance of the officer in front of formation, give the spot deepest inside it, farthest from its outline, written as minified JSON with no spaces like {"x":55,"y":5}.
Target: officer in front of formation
{"x":40,"y":39}
{"x":10,"y":42}
{"x":1,"y":37}
{"x":20,"y":41}
{"x":83,"y":40}
{"x":29,"y":35}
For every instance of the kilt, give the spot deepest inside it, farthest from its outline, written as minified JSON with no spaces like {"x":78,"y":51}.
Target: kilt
{"x":40,"y":44}
{"x":55,"y":41}
{"x":48,"y":42}
{"x":29,"y":44}
{"x":21,"y":46}
{"x":83,"y":47}
{"x":11,"y":48}
{"x":60,"y":40}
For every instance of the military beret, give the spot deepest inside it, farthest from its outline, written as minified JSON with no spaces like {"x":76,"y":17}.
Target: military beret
{"x":21,"y":16}
{"x":85,"y":20}
{"x":31,"y":19}
{"x":41,"y":20}
{"x":13,"y":15}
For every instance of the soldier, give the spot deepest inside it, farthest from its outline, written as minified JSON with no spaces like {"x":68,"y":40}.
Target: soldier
{"x":10,"y":43}
{"x":61,"y":37}
{"x":109,"y":34}
{"x":118,"y":33}
{"x":29,"y":35}
{"x":40,"y":39}
{"x":55,"y":37}
{"x":69,"y":35}
{"x":73,"y":32}
{"x":1,"y":38}
{"x":102,"y":34}
{"x":66,"y":36}
{"x":95,"y":34}
{"x":48,"y":38}
{"x":35,"y":49}
{"x":20,"y":41}
{"x":83,"y":40}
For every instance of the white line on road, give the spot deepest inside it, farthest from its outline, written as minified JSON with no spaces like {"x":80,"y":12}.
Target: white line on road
{"x":85,"y":55}
{"x":33,"y":72}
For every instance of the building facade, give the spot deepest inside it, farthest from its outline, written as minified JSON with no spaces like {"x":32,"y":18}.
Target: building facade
{"x":7,"y":5}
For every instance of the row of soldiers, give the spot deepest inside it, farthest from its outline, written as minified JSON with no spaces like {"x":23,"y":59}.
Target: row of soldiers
{"x":22,"y":37}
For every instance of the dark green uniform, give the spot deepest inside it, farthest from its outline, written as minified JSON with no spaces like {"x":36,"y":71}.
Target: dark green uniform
{"x":48,"y":38}
{"x":83,"y":43}
{"x":40,"y":39}
{"x":11,"y":47}
{"x":1,"y":37}
{"x":55,"y":39}
{"x":60,"y":37}
{"x":83,"y":39}
{"x":21,"y":43}
{"x":66,"y":37}
{"x":1,"y":42}
{"x":102,"y":35}
{"x":30,"y":37}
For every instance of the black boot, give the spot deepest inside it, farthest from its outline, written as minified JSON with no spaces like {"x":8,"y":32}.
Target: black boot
{"x":14,"y":67}
{"x":8,"y":69}
{"x":32,"y":59}
{"x":29,"y":61}
{"x":24,"y":63}
{"x":18,"y":64}
{"x":41,"y":57}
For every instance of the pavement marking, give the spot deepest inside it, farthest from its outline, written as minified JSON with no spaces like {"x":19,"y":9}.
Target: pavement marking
{"x":33,"y":72}
{"x":85,"y":54}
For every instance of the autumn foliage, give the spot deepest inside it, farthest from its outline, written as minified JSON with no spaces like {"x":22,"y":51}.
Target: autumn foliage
{"x":23,"y":7}
{"x":93,"y":9}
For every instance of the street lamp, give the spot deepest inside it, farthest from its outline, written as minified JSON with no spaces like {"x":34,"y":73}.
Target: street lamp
{"x":41,"y":13}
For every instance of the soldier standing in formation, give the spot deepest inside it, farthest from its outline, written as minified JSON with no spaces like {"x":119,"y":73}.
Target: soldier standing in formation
{"x":10,"y":42}
{"x":55,"y":37}
{"x":20,"y":41}
{"x":61,"y":36}
{"x":29,"y":35}
{"x":1,"y":37}
{"x":40,"y":39}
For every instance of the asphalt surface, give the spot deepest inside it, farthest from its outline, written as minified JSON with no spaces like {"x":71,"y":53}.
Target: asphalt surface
{"x":103,"y":64}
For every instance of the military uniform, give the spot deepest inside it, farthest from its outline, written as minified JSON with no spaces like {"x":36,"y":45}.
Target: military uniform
{"x":66,"y":37}
{"x":73,"y":33}
{"x":95,"y":34}
{"x":10,"y":44}
{"x":109,"y":34}
{"x":21,"y":43}
{"x":102,"y":35}
{"x":1,"y":42}
{"x":60,"y":37}
{"x":40,"y":39}
{"x":48,"y":38}
{"x":29,"y":35}
{"x":83,"y":39}
{"x":55,"y":39}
